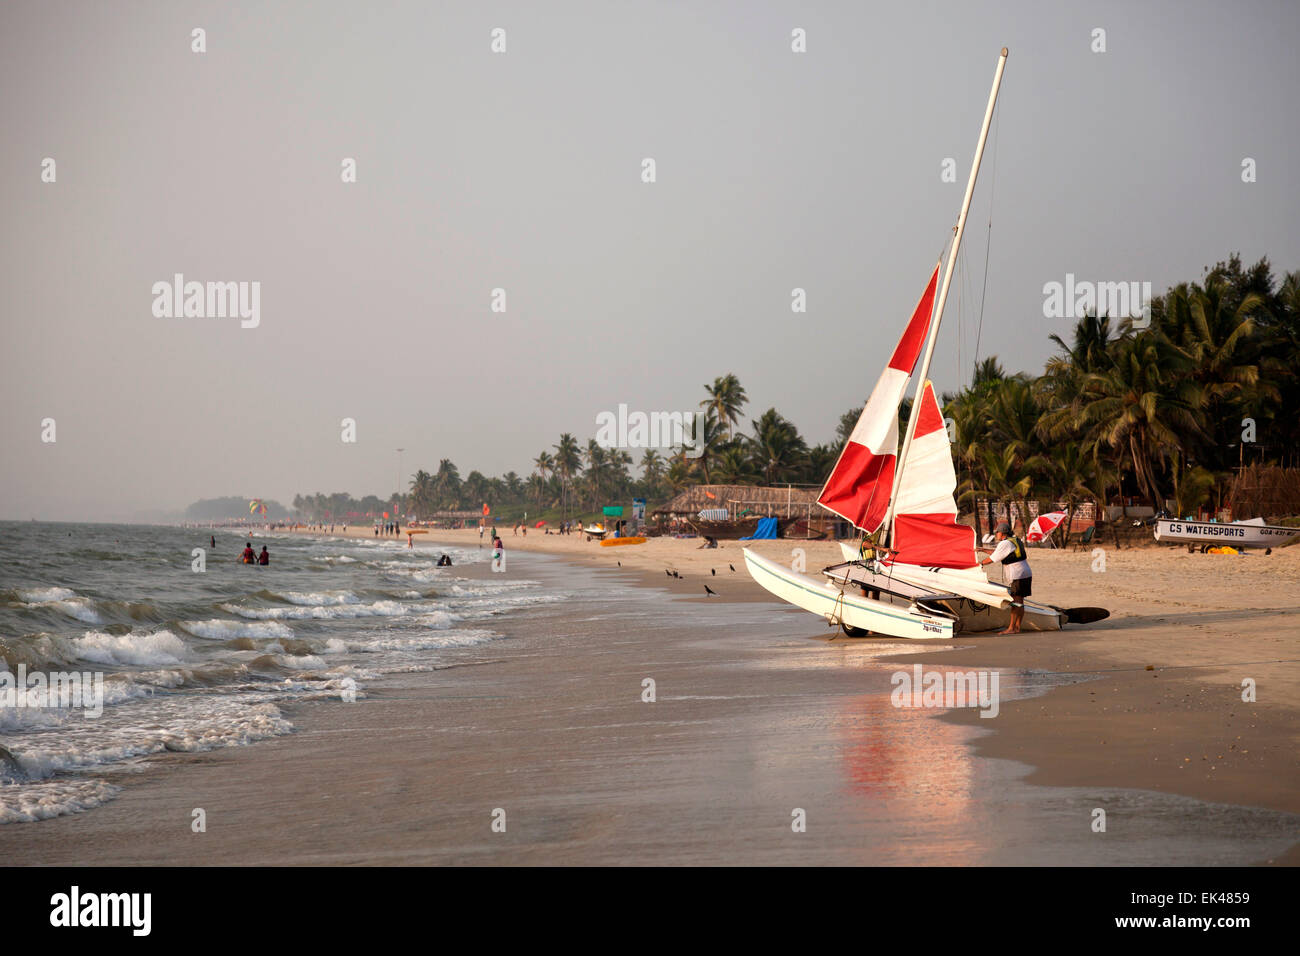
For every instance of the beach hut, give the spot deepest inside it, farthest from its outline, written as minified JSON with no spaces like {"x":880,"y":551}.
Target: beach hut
{"x":733,"y":511}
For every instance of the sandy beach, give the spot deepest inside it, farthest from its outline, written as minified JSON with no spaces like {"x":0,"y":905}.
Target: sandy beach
{"x":761,"y":710}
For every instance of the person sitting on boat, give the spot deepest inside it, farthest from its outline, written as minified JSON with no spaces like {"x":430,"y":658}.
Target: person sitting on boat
{"x":1014,"y":556}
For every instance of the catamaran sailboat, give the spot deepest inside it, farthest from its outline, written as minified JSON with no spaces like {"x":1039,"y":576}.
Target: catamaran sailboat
{"x":919,"y":578}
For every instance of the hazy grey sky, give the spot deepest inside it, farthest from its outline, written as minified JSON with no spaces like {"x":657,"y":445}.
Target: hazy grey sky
{"x":522,"y":170}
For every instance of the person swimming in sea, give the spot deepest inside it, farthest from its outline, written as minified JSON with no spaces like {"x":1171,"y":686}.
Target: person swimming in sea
{"x":249,"y":556}
{"x":264,"y":557}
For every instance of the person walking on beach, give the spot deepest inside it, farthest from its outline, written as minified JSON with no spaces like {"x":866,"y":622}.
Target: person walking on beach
{"x":480,"y":534}
{"x":1014,"y":556}
{"x":265,"y":557}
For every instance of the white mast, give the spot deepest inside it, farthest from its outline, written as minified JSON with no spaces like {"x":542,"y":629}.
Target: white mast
{"x":943,"y":297}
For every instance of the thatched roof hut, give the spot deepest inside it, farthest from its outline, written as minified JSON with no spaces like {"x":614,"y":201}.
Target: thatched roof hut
{"x":784,"y":501}
{"x":799,"y":505}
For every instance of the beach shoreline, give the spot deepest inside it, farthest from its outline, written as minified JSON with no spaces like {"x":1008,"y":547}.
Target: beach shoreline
{"x":411,"y":776}
{"x":1172,"y":665}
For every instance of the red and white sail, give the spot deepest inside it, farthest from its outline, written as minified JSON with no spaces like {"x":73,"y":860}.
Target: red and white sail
{"x":926,"y":532}
{"x":862,"y":481}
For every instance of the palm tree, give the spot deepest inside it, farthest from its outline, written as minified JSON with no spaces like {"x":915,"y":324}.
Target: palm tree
{"x":726,"y":400}
{"x":1217,"y":336}
{"x":568,"y":462}
{"x":446,"y":484}
{"x":475,"y":489}
{"x":597,"y":462}
{"x":734,"y":465}
{"x":422,"y":492}
{"x":652,"y":471}
{"x":708,"y":436}
{"x":1144,"y":408}
{"x":544,"y":464}
{"x":678,"y":475}
{"x":777,"y":449}
{"x":513,"y":486}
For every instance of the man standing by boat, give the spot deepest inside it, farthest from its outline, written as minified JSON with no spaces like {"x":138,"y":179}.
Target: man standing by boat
{"x":1014,"y":556}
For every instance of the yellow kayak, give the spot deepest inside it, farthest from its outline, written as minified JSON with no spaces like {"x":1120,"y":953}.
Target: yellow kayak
{"x":611,"y":542}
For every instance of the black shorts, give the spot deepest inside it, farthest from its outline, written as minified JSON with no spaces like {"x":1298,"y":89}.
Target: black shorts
{"x":1020,"y":589}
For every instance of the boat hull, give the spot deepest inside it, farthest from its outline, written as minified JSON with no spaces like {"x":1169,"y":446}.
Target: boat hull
{"x":980,"y":605}
{"x":838,"y":607}
{"x":1237,"y":535}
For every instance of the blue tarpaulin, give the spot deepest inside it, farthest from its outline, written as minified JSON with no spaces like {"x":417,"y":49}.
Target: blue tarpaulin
{"x":766,"y":529}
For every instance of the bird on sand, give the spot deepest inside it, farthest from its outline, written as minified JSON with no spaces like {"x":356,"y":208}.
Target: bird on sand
{"x":709,"y":590}
{"x":713,"y":571}
{"x":732,"y":566}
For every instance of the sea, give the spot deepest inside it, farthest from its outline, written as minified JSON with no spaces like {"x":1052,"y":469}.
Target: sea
{"x":199,"y":651}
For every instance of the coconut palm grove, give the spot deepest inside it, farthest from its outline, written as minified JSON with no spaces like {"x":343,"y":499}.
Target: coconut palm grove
{"x":1167,"y":409}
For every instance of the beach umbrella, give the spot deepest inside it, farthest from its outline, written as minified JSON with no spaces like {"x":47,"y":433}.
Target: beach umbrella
{"x":1044,"y":525}
{"x":539,"y":524}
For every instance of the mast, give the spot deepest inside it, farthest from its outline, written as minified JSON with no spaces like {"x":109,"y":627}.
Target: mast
{"x":943,"y":298}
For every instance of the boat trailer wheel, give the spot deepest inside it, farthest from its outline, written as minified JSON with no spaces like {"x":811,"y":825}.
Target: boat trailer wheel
{"x":851,"y":631}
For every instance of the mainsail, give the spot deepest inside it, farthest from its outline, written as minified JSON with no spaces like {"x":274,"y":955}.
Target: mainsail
{"x":926,"y":531}
{"x":860,"y":485}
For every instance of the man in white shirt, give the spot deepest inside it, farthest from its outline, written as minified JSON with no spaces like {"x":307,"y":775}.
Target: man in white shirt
{"x":1015,"y":562}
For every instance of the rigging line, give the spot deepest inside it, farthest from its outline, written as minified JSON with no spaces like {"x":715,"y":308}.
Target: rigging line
{"x":988,"y":244}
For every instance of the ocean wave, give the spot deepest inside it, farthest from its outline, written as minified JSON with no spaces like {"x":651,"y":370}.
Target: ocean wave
{"x":59,"y":599}
{"x":317,"y":598}
{"x":42,"y":595}
{"x":134,"y":649}
{"x":30,"y":802}
{"x":320,"y":612}
{"x":188,"y":725}
{"x":426,"y":642}
{"x":222,"y":630}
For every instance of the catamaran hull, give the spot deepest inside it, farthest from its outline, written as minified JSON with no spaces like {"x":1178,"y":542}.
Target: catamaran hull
{"x":980,"y":605}
{"x":1238,"y":535}
{"x":836,"y":607}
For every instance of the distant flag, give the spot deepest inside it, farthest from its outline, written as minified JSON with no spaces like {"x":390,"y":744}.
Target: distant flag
{"x":385,"y":514}
{"x":486,"y":509}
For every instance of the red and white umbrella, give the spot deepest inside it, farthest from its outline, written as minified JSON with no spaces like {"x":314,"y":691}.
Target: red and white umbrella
{"x":1044,"y":525}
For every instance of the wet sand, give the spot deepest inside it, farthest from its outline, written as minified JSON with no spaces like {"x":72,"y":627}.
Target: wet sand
{"x":760,"y":710}
{"x":1202,"y":623}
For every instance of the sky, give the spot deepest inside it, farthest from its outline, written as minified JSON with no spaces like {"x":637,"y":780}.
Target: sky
{"x":522,"y":170}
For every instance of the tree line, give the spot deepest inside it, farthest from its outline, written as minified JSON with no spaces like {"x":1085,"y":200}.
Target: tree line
{"x":1164,"y":409}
